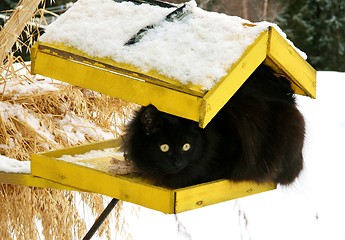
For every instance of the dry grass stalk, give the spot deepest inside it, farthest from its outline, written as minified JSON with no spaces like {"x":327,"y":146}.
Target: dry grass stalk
{"x":16,"y":24}
{"x":23,"y":207}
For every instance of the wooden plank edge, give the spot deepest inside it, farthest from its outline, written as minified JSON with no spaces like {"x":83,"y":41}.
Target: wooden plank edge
{"x":300,"y":72}
{"x":238,"y":73}
{"x":32,"y":181}
{"x":166,"y":100}
{"x":93,"y":180}
{"x":219,"y":191}
{"x":153,"y":77}
{"x":82,"y":148}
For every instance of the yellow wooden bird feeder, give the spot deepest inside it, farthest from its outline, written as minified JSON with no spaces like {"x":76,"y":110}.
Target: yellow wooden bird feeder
{"x":65,"y":61}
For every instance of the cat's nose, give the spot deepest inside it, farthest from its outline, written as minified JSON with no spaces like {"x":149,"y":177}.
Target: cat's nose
{"x":178,"y":163}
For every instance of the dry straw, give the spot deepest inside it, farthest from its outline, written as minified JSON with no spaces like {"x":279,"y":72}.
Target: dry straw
{"x":28,"y":212}
{"x":23,"y":207}
{"x":16,"y":24}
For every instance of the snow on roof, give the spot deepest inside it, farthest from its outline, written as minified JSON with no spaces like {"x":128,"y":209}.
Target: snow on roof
{"x":199,"y":49}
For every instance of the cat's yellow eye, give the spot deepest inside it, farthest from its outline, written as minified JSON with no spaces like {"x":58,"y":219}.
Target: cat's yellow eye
{"x":164,"y":147}
{"x":186,"y":147}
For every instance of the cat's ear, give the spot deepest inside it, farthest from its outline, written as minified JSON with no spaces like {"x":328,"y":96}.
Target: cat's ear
{"x":150,"y":120}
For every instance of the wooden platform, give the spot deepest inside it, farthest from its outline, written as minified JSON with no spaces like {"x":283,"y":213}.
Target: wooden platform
{"x":126,"y":82}
{"x":131,"y":188}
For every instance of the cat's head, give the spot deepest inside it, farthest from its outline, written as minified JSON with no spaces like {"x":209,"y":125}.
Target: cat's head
{"x":163,"y":145}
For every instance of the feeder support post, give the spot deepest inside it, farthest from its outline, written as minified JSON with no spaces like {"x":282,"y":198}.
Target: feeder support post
{"x":101,"y":219}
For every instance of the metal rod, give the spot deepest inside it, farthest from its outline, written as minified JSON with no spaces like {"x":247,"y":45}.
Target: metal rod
{"x":101,"y":219}
{"x":151,"y":2}
{"x":178,"y":14}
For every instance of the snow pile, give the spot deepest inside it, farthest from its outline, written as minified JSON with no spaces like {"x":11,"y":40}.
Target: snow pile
{"x":78,"y":129}
{"x":10,"y":165}
{"x":22,"y":82}
{"x":199,"y":49}
{"x":22,"y":87}
{"x":78,"y":158}
{"x":107,"y":152}
{"x":27,"y":117}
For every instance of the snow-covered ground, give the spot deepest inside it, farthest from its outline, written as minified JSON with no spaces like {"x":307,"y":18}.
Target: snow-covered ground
{"x":312,"y":208}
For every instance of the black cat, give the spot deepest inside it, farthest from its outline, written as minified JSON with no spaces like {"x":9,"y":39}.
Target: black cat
{"x":257,"y":136}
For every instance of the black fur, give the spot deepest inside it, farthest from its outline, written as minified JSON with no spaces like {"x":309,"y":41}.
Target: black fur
{"x":257,"y":136}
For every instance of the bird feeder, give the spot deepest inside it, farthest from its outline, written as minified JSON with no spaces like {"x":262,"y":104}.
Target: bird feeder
{"x":140,"y":80}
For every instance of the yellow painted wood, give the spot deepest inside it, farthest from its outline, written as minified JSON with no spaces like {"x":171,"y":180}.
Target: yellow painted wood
{"x":128,"y":188}
{"x":31,"y":181}
{"x":112,"y":143}
{"x":94,"y":180}
{"x":215,"y":192}
{"x":132,"y":188}
{"x":169,"y":95}
{"x":115,"y":83}
{"x":151,"y":76}
{"x":302,"y":74}
{"x":220,"y":94}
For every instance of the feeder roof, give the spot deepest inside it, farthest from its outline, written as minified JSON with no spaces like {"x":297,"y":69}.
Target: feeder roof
{"x":189,"y":67}
{"x":198,"y":49}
